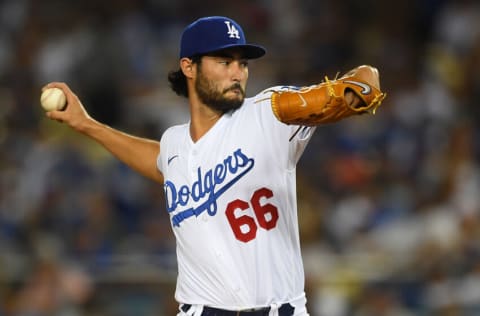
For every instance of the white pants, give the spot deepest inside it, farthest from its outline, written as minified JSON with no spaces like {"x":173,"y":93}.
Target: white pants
{"x":298,"y":303}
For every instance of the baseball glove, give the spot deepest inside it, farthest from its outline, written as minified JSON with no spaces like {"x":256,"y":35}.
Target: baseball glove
{"x":326,"y":102}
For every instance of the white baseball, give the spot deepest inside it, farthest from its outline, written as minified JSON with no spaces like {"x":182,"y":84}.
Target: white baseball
{"x":53,"y":99}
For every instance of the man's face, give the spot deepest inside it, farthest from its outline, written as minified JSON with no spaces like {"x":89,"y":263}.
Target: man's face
{"x":221,"y":80}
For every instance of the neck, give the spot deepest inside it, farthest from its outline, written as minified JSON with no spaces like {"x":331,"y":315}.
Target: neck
{"x":202,"y":120}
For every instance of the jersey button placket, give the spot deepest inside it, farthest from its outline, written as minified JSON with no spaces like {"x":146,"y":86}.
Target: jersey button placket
{"x":192,"y":164}
{"x":193,"y":167}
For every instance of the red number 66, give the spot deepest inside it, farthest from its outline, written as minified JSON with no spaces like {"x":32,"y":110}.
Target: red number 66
{"x":266,"y":215}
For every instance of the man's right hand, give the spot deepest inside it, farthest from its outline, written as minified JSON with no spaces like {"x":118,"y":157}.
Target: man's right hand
{"x":74,"y":113}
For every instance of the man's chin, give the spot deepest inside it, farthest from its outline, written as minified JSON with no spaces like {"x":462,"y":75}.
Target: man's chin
{"x":233,"y":98}
{"x":230,"y":104}
{"x":233,"y":105}
{"x":238,"y":99}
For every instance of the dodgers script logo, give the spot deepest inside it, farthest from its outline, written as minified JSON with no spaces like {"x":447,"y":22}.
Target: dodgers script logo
{"x":208,"y":186}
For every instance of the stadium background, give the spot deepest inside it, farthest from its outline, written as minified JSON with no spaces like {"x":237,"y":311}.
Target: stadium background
{"x":389,"y":205}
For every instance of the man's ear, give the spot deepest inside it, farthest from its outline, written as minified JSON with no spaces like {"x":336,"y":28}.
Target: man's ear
{"x":187,"y":67}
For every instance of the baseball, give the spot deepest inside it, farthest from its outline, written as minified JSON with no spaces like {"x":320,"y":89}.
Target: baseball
{"x":53,"y":99}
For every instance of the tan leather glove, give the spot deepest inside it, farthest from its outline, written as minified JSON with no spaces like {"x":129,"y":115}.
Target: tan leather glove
{"x":326,"y":102}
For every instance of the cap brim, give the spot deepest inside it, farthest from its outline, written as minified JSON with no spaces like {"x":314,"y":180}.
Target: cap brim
{"x":251,"y":51}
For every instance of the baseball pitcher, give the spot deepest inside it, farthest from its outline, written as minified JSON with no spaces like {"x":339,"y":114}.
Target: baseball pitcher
{"x":229,"y":173}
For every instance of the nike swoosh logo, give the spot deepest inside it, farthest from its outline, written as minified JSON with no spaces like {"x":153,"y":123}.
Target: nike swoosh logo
{"x":299,"y":93}
{"x":304,"y":102}
{"x":365,"y":87}
{"x":170,"y":159}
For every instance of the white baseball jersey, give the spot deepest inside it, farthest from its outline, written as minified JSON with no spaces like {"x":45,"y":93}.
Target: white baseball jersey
{"x":231,"y":197}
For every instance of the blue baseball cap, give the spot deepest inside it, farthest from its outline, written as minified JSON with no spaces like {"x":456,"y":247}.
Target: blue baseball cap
{"x":214,"y":33}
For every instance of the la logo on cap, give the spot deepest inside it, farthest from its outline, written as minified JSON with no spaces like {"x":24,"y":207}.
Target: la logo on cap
{"x":214,"y":33}
{"x":232,"y":30}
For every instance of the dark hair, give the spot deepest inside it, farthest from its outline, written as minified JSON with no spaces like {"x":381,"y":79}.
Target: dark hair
{"x":178,"y":81}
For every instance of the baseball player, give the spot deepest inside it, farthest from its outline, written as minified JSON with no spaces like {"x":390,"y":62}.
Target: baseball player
{"x":229,"y":173}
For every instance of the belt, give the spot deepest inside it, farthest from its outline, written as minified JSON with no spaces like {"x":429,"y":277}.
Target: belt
{"x":284,"y":310}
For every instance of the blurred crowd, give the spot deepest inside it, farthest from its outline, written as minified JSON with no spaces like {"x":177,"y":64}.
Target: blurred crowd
{"x":389,"y":205}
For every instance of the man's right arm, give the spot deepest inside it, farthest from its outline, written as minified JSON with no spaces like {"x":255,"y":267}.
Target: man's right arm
{"x":138,"y":153}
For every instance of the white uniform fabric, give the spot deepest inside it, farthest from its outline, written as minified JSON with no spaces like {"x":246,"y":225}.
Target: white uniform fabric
{"x":231,"y":197}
